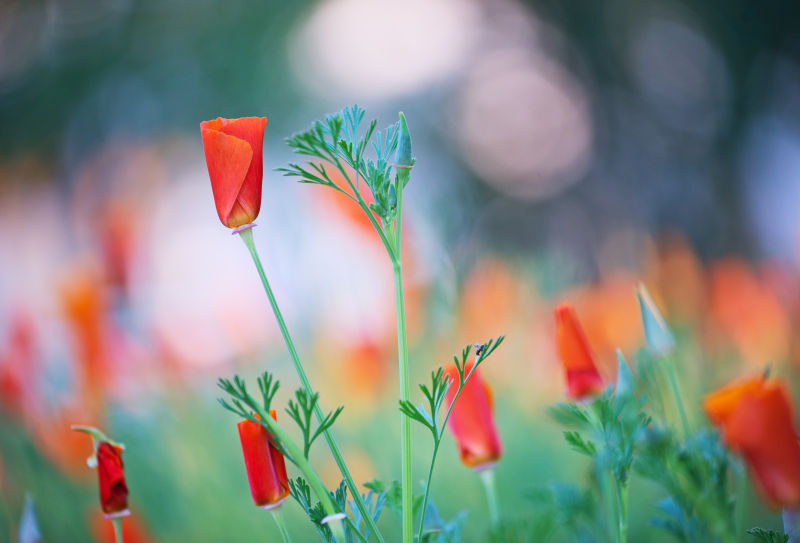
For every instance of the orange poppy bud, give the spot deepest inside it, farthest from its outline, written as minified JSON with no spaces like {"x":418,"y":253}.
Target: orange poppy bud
{"x":583,"y":379}
{"x":233,"y":149}
{"x":757,"y":420}
{"x":472,"y":419}
{"x":266,"y":468}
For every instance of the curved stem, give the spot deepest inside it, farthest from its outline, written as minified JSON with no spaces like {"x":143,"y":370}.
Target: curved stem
{"x":247,"y":238}
{"x":487,"y":478}
{"x":427,"y":493}
{"x":277,"y":514}
{"x":117,"y":523}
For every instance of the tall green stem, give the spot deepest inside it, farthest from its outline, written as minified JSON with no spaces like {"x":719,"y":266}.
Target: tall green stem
{"x":621,"y":489}
{"x":247,"y":238}
{"x":405,"y":421}
{"x":277,"y":514}
{"x":487,"y":478}
{"x":676,"y":392}
{"x":117,"y":523}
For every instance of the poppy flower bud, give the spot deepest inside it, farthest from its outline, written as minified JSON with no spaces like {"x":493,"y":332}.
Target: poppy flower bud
{"x":266,"y":468}
{"x":583,"y":379}
{"x":402,"y":154}
{"x":757,"y":420}
{"x":656,"y":331}
{"x":110,"y":472}
{"x":233,"y":149}
{"x":472,"y":419}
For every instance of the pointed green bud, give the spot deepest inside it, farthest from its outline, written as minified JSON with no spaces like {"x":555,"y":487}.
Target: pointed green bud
{"x":392,"y":197}
{"x":659,"y":337}
{"x":624,"y":386}
{"x":402,"y":154}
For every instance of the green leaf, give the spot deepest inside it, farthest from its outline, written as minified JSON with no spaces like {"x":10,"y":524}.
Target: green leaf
{"x":576,"y":441}
{"x":768,"y":536}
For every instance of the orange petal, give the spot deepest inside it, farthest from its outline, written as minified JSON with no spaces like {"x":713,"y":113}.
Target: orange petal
{"x":720,"y":404}
{"x":228,"y":159}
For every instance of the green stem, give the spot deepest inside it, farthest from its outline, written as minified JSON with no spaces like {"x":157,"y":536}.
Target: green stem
{"x":487,"y":478}
{"x":247,"y":238}
{"x":621,"y":490}
{"x":117,"y":523}
{"x":425,"y":498}
{"x":277,"y":514}
{"x":676,"y":392}
{"x":405,"y":421}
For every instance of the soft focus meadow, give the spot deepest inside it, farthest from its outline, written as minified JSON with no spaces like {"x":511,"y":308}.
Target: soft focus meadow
{"x":564,"y":152}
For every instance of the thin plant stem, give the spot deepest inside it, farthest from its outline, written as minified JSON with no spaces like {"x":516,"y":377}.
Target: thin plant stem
{"x":676,"y":392}
{"x":402,"y":368}
{"x":405,"y":421}
{"x":487,"y":478}
{"x":117,"y":523}
{"x":621,"y":490}
{"x":427,"y":494}
{"x":247,"y":238}
{"x":277,"y":514}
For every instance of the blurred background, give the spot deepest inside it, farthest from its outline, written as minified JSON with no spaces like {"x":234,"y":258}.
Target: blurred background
{"x":563,"y":152}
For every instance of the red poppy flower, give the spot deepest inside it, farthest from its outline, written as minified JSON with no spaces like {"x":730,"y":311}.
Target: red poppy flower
{"x":583,"y":379}
{"x":757,"y":419}
{"x":233,"y":150}
{"x":472,"y":419}
{"x":113,"y":490}
{"x":266,"y":469}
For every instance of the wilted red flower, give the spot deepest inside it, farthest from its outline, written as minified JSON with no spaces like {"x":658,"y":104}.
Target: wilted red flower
{"x":757,"y":419}
{"x":113,"y":490}
{"x":233,"y":149}
{"x":583,"y":379}
{"x":472,"y":419}
{"x":266,"y":469}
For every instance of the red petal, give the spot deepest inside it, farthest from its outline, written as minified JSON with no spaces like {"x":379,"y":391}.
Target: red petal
{"x":228,"y":159}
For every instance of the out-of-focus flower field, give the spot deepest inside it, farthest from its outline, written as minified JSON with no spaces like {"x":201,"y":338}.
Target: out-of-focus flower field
{"x":563,"y":153}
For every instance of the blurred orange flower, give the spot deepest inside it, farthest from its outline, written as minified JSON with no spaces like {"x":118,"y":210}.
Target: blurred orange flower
{"x":757,"y":419}
{"x":19,"y":367}
{"x":746,"y":313}
{"x":85,"y":307}
{"x":233,"y":149}
{"x":583,"y":379}
{"x":472,"y":419}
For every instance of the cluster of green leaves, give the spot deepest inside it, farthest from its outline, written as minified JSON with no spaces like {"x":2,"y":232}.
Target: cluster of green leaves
{"x":768,"y":536}
{"x":435,"y":395}
{"x":697,"y":474}
{"x":608,"y":429}
{"x":353,"y":531}
{"x":302,"y":412}
{"x":440,"y":384}
{"x":694,"y":468}
{"x":339,"y":141}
